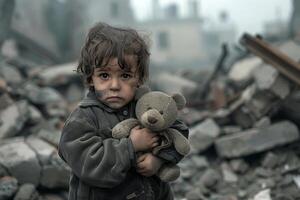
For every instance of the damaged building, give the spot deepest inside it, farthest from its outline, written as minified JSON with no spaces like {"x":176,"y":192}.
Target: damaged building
{"x":243,"y":116}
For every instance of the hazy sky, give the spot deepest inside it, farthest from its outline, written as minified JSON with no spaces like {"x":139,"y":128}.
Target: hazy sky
{"x":248,"y":15}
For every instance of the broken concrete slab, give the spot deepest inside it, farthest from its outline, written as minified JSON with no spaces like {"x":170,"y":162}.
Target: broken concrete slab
{"x":43,"y":149}
{"x":257,"y":140}
{"x":203,"y":135}
{"x":172,"y":83}
{"x":268,"y":78}
{"x":58,"y":74}
{"x":13,"y":118}
{"x":242,"y":70}
{"x":228,"y":174}
{"x":10,"y":73}
{"x":20,"y":160}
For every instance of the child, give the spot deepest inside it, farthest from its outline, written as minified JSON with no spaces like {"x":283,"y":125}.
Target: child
{"x":113,"y":63}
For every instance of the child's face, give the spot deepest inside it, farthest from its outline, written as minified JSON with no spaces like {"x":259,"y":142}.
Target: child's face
{"x":114,"y":86}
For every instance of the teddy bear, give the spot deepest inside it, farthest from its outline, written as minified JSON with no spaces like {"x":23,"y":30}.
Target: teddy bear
{"x":157,"y":111}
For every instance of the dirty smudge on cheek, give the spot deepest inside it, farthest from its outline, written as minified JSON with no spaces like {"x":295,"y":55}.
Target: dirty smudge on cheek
{"x":100,"y":93}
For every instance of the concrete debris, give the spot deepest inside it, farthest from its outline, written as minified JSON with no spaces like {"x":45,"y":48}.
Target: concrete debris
{"x":27,"y":191}
{"x":243,"y":130}
{"x":203,"y":135}
{"x":8,"y":187}
{"x":268,"y":78}
{"x":257,"y":140}
{"x":256,"y":153}
{"x":13,"y":118}
{"x":56,"y":174}
{"x":263,"y":195}
{"x":18,"y":157}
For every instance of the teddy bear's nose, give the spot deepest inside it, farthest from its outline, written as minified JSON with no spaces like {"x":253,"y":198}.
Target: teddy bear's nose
{"x":152,"y":120}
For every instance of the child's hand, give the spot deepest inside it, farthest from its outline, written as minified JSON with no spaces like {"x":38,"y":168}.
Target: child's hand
{"x":148,"y":164}
{"x":143,"y":139}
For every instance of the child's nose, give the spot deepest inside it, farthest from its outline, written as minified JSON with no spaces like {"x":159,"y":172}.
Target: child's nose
{"x":115,"y":84}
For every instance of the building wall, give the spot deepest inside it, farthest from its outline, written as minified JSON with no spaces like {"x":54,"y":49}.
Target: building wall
{"x":175,"y":41}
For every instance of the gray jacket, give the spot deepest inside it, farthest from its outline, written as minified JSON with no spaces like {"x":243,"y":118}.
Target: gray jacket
{"x":104,"y":167}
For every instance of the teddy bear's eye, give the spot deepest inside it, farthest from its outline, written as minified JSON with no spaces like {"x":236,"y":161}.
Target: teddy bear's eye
{"x":161,"y":112}
{"x":149,"y":108}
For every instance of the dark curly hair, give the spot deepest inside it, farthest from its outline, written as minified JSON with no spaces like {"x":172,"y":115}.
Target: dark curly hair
{"x":104,"y":42}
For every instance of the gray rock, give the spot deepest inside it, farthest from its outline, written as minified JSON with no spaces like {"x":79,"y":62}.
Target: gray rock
{"x":227,"y":130}
{"x":8,"y":187}
{"x":51,"y":136}
{"x":256,"y":140}
{"x":244,"y":117}
{"x":270,"y":160}
{"x":195,"y":194}
{"x":262,"y":103}
{"x":27,"y":191}
{"x":210,"y":178}
{"x":203,"y":135}
{"x":239,"y":166}
{"x":56,"y":174}
{"x":13,"y":118}
{"x":56,"y":109}
{"x":263,"y":172}
{"x":263,"y":122}
{"x":20,"y":160}
{"x":10,"y":73}
{"x":268,"y":79}
{"x":43,"y":149}
{"x":5,"y":101}
{"x":200,"y":162}
{"x":41,"y":96}
{"x":35,"y":115}
{"x":228,"y":174}
{"x":191,"y":116}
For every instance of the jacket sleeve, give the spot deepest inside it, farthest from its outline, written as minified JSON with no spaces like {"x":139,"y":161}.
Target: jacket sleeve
{"x":170,"y":154}
{"x":97,"y":161}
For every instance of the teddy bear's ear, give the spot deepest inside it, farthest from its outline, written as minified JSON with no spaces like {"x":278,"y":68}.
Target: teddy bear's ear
{"x":180,"y":100}
{"x":141,"y":91}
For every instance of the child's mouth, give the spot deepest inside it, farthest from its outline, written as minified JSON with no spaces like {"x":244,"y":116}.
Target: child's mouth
{"x":114,"y":98}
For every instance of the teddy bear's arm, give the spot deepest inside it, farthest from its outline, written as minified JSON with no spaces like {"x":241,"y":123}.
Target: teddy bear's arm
{"x":123,"y":128}
{"x":181,"y":143}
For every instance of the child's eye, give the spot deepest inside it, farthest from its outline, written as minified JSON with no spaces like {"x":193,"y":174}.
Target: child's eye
{"x":126,"y":76}
{"x":104,"y":76}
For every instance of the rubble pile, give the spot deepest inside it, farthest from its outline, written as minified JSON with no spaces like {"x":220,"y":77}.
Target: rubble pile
{"x":248,"y":148}
{"x":244,"y":143}
{"x":34,"y":103}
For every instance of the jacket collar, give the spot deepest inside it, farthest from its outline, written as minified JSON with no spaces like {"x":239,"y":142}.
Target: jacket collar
{"x":90,"y":99}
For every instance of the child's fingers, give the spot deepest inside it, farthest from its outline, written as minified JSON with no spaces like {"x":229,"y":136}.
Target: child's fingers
{"x":155,"y":144}
{"x":155,"y":139}
{"x":136,"y":127}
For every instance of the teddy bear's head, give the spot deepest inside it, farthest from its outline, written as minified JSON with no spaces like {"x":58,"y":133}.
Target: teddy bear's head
{"x":158,"y":110}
